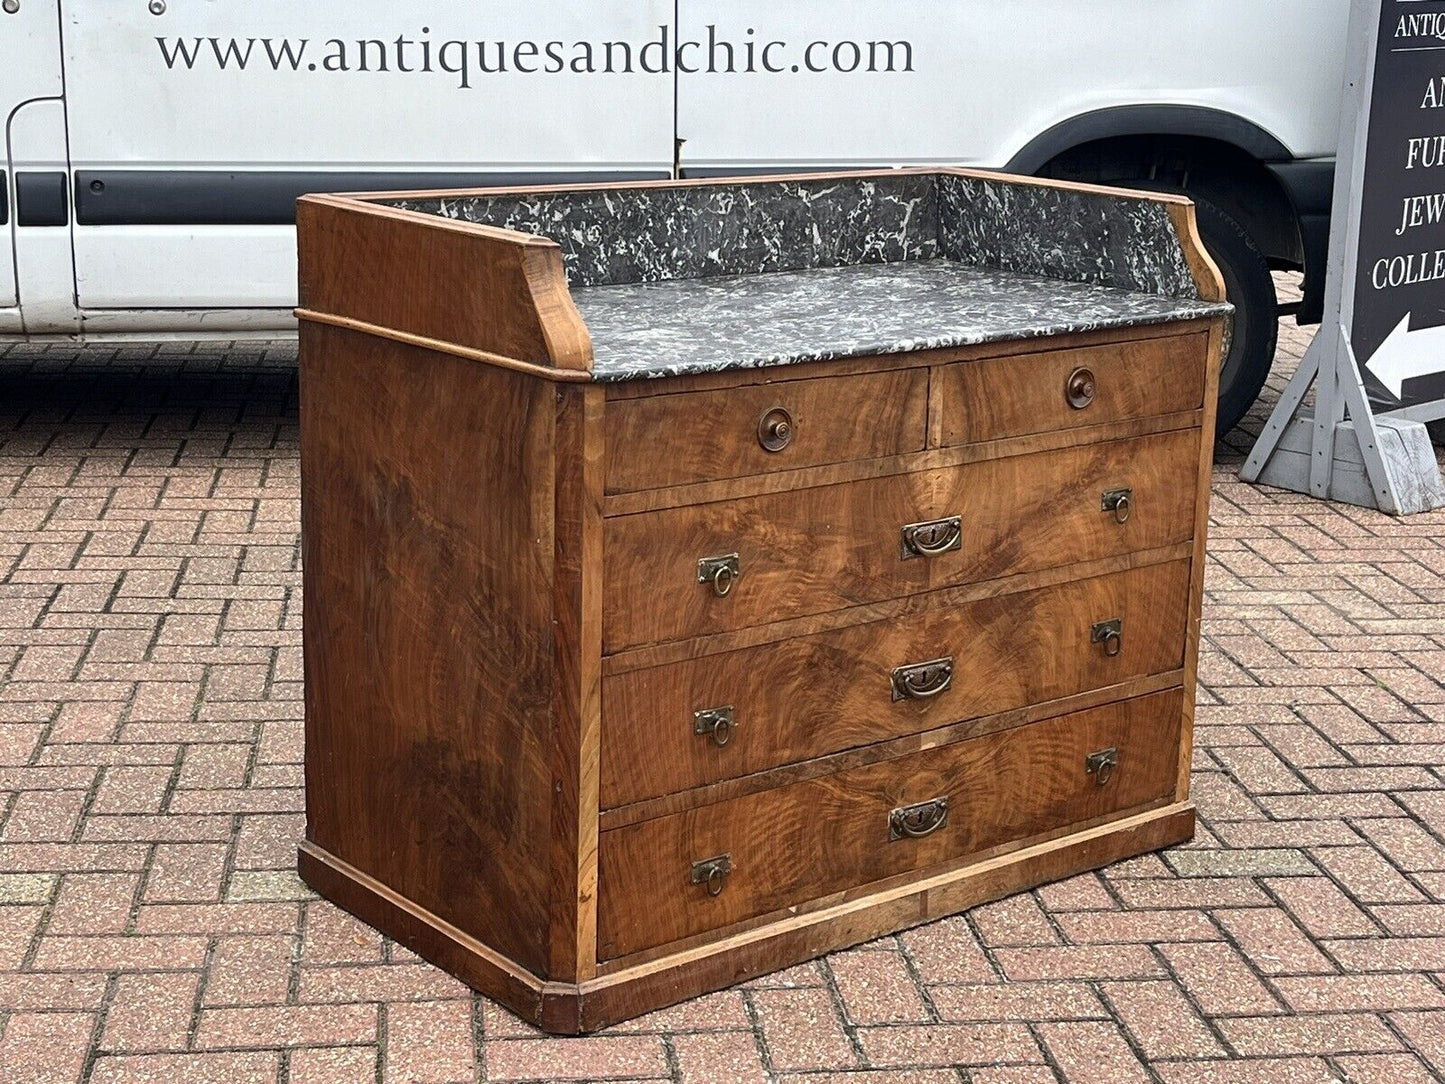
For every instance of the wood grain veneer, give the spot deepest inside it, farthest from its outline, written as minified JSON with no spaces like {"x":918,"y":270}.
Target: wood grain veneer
{"x":505,"y":638}
{"x":664,"y":440}
{"x":825,"y":548}
{"x":813,"y":695}
{"x":1006,"y":397}
{"x":810,"y":839}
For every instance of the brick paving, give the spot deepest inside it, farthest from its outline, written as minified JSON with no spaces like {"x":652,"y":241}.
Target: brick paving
{"x":152,"y":928}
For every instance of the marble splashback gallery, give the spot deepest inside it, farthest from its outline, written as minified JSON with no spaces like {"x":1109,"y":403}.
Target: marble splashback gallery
{"x":612,"y":236}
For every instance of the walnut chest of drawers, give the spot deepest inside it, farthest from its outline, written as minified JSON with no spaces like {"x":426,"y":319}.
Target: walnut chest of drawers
{"x":703,"y":577}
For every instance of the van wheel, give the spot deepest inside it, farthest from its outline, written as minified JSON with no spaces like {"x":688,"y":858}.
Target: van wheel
{"x":1250,"y":289}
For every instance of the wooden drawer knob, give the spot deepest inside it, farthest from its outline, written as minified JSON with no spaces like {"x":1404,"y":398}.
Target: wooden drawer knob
{"x":1080,"y":388}
{"x":776,"y":429}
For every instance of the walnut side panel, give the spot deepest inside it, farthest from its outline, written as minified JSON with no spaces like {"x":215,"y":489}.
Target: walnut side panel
{"x":427,"y":489}
{"x":1203,"y":490}
{"x":577,"y":632}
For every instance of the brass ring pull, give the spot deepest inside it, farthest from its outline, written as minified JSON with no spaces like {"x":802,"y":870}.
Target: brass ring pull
{"x":922,"y":680}
{"x":776,"y":429}
{"x":933,"y":537}
{"x":1118,"y":501}
{"x":722,"y":581}
{"x":1101,"y":765}
{"x":1080,"y":388}
{"x":711,"y":873}
{"x":715,"y":723}
{"x":917,"y":821}
{"x":1111,"y":635}
{"x":719,"y":573}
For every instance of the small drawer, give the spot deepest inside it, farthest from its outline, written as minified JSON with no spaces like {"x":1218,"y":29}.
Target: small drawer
{"x":668,"y":440}
{"x":706,"y":868}
{"x":687,"y":724}
{"x":1063,"y":389}
{"x":682,"y":572}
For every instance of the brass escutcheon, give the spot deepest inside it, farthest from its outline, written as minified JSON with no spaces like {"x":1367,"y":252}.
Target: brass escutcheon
{"x":917,"y":821}
{"x":712,"y":872}
{"x":1101,"y":765}
{"x":716,"y":723}
{"x":719,"y":573}
{"x":1111,"y":634}
{"x":776,"y":429}
{"x":1080,"y":388}
{"x":921,"y":680}
{"x":932,"y":537}
{"x":1118,"y":501}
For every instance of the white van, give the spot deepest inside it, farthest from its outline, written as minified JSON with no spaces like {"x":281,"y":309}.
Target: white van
{"x":154,"y":148}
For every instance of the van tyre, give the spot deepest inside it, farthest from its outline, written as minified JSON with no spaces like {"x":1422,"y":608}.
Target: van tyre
{"x":1250,"y":288}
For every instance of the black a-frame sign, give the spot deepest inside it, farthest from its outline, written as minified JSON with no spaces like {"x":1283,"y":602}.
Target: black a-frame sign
{"x":1378,"y":362}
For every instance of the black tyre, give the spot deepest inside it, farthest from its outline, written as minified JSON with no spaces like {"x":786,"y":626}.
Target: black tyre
{"x":1250,"y":290}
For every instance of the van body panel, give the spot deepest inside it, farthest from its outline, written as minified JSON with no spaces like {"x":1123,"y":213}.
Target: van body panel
{"x":988,"y":78}
{"x":260,"y":94}
{"x":29,"y":70}
{"x":185,"y":133}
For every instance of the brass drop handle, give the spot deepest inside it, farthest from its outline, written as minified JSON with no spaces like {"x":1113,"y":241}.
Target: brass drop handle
{"x":776,"y":429}
{"x":719,"y":573}
{"x":715,"y":723}
{"x":1101,"y":765}
{"x":917,"y":821}
{"x":932,"y":537}
{"x":1080,"y":388}
{"x":922,"y":680}
{"x":711,"y":873}
{"x":1118,"y":501}
{"x":1111,"y":634}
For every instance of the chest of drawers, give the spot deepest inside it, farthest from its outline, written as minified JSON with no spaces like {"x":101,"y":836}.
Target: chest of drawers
{"x":703,"y":577}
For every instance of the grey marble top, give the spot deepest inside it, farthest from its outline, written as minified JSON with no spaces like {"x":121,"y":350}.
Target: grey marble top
{"x":682,"y":326}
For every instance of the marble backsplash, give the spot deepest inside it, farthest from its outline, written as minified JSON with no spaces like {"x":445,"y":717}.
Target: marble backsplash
{"x":1063,"y":233}
{"x":649,"y":234}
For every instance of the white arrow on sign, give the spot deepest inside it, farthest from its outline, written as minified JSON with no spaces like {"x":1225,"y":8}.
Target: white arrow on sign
{"x":1406,"y":354}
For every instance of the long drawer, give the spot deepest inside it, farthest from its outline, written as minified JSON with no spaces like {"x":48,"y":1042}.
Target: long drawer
{"x":686,"y":724}
{"x":683,"y":572}
{"x":706,"y":868}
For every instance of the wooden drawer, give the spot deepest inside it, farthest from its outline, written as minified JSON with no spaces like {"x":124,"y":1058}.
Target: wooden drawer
{"x":1009,"y":397}
{"x":820,"y":694}
{"x":825,"y":548}
{"x":666,"y":440}
{"x":826,"y":835}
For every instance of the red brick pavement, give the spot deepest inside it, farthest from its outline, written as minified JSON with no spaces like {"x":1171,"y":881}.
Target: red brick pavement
{"x":152,"y":929}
